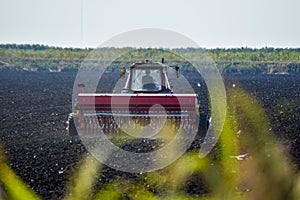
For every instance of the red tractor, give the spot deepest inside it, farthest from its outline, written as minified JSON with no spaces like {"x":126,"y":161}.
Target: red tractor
{"x":146,"y":95}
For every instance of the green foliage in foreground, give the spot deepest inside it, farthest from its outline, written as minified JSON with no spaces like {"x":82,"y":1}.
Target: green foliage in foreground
{"x":264,"y":172}
{"x":12,"y":186}
{"x":235,"y":60}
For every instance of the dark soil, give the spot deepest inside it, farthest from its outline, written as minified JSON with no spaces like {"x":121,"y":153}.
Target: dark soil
{"x":35,"y":105}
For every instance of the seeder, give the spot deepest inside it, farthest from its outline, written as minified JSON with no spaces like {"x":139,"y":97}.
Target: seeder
{"x":147,"y":99}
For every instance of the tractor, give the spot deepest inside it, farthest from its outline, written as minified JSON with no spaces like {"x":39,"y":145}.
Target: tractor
{"x":146,"y":99}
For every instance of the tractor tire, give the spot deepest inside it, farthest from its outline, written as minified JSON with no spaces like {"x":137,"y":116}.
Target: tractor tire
{"x":203,"y":125}
{"x":72,"y":128}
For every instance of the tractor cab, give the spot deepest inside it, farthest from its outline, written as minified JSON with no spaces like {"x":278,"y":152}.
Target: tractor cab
{"x":147,"y":77}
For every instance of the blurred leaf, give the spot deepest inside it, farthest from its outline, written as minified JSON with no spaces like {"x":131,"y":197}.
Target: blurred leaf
{"x":109,"y":192}
{"x":183,"y":168}
{"x":81,"y":184}
{"x":138,"y":192}
{"x":13,"y":185}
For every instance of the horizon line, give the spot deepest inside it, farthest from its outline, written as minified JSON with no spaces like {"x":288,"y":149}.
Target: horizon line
{"x":200,"y":47}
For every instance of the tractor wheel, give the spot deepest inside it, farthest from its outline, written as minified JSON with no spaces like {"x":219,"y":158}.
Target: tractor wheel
{"x":203,"y":125}
{"x":72,"y":128}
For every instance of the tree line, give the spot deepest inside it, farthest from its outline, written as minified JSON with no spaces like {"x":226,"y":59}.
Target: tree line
{"x":229,"y":60}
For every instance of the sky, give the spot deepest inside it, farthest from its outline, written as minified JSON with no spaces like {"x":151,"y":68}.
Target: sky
{"x":210,"y":23}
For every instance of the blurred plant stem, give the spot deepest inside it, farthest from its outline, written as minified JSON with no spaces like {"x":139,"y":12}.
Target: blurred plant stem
{"x":267,"y":172}
{"x":81,"y":183}
{"x":13,"y":186}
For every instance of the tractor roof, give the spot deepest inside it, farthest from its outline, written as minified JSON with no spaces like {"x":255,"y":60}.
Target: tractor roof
{"x":148,"y":64}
